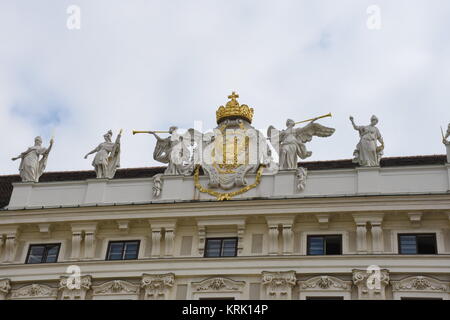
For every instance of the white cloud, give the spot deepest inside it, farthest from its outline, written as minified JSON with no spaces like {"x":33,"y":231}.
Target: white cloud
{"x":152,"y":64}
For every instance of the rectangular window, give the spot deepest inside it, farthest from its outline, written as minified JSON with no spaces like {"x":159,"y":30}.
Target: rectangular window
{"x":421,"y":243}
{"x":221,"y":247}
{"x":43,"y":253}
{"x":324,"y":245}
{"x":123,"y":250}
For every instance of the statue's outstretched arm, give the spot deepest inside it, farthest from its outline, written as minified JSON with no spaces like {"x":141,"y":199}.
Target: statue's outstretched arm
{"x":93,"y":151}
{"x":353,"y":123}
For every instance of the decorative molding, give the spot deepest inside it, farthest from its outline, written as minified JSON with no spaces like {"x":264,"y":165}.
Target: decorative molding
{"x":323,"y":219}
{"x":218,"y":284}
{"x":116,"y":287}
{"x":156,"y":286}
{"x":415,"y":218}
{"x":71,"y":290}
{"x":420,"y":283}
{"x":157,"y":185}
{"x":34,"y":291}
{"x":300,"y":175}
{"x":368,"y":286}
{"x":325,"y":283}
{"x":45,"y":229}
{"x":123,"y":225}
{"x":279,"y":284}
{"x":5,"y":287}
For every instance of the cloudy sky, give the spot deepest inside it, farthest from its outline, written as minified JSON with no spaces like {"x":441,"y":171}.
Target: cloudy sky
{"x":146,"y":64}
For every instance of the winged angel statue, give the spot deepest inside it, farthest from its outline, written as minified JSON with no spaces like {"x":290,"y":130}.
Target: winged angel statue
{"x":290,"y":143}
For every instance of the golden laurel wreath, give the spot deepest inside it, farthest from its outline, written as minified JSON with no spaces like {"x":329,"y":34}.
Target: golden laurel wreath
{"x":228,"y":195}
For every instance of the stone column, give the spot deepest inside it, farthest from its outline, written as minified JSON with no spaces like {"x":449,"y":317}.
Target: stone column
{"x":10,"y":234}
{"x":5,"y":287}
{"x":10,"y":247}
{"x":279,"y":285}
{"x":169,"y":239}
{"x":201,"y":239}
{"x":240,"y":233}
{"x":377,"y":238}
{"x":288,"y":239}
{"x":361,"y":237}
{"x":156,"y":242}
{"x":76,"y":245}
{"x":89,"y":244}
{"x":371,"y":283}
{"x":273,"y":239}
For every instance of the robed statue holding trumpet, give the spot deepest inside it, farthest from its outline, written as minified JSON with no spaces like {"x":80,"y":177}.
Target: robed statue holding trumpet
{"x":290,"y":143}
{"x":173,"y":151}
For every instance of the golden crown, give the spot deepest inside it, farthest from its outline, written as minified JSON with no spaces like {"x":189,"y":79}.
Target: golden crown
{"x":233,"y":109}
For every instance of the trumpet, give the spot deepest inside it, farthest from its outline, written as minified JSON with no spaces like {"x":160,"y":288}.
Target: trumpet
{"x":136,"y":131}
{"x":313,"y":119}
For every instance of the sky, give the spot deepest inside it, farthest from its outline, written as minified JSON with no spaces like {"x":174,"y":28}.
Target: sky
{"x":148,"y":65}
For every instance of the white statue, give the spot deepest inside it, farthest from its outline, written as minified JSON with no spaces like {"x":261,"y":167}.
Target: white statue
{"x":289,"y":143}
{"x":367,"y":153}
{"x":107,"y":157}
{"x":31,"y":168}
{"x":173,"y":151}
{"x":447,"y":134}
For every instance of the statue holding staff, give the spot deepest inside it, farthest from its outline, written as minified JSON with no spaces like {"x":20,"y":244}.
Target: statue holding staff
{"x":107,"y":156}
{"x":367,"y":153}
{"x":447,"y":134}
{"x":31,"y":167}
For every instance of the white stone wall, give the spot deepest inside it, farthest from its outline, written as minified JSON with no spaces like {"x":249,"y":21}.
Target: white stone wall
{"x":277,"y":269}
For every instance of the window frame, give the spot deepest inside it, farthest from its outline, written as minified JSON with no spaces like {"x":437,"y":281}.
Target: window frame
{"x":108,"y":247}
{"x":221,"y":246}
{"x":309,"y":236}
{"x":45,"y":255}
{"x":417,"y":234}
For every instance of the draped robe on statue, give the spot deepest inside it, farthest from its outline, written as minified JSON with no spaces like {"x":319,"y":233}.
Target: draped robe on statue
{"x":107,"y":157}
{"x":366,"y":152}
{"x":173,"y":152}
{"x":31,"y":168}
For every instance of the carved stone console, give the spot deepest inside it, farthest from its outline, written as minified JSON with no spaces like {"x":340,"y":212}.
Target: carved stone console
{"x":72,"y":289}
{"x":371,"y":283}
{"x":278,"y":285}
{"x":5,"y":287}
{"x":157,"y":286}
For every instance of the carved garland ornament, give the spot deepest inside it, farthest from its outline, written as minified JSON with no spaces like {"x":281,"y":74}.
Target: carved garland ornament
{"x":218,"y":284}
{"x":116,"y":287}
{"x":34,"y":291}
{"x":227,"y":195}
{"x":325,"y":282}
{"x":419,"y":283}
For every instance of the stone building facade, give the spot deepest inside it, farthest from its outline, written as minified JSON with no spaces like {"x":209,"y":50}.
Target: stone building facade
{"x":350,"y":233}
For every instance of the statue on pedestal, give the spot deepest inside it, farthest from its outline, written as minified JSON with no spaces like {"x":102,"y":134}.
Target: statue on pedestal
{"x":107,"y":156}
{"x":447,"y":134}
{"x":290,"y":143}
{"x":31,"y":167}
{"x":367,"y":152}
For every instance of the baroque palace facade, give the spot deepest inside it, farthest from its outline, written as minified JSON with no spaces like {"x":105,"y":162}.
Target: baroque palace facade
{"x":371,"y":228}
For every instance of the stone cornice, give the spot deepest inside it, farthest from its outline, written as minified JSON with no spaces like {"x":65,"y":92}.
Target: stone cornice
{"x":354,"y":204}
